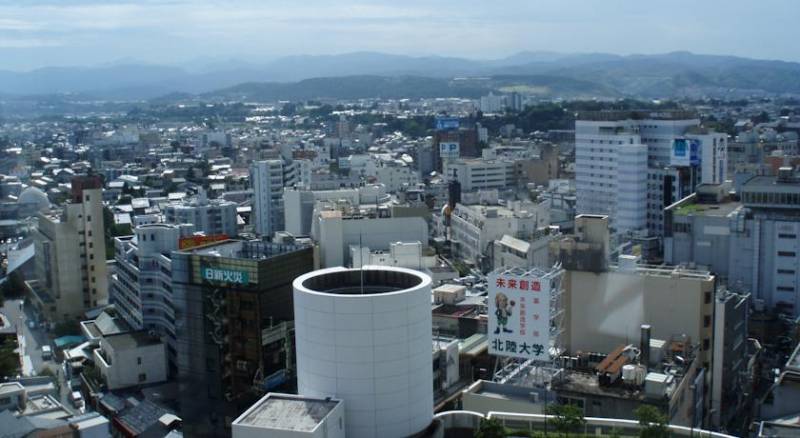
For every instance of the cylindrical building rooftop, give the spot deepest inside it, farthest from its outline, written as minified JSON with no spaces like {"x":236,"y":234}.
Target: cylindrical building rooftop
{"x":365,"y":337}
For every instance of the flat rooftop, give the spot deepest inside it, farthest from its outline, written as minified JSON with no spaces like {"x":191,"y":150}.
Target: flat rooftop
{"x":770,"y":183}
{"x":722,"y":209}
{"x":286,"y":412}
{"x":242,"y":249}
{"x":123,"y":341}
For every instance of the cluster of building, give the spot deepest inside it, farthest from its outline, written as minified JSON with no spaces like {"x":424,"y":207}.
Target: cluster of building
{"x":340,"y":280}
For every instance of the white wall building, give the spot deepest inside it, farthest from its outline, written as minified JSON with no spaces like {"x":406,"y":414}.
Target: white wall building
{"x":268,"y":178}
{"x":364,"y":336}
{"x":337,"y":230}
{"x":630,"y":168}
{"x":492,"y":103}
{"x":211,"y":216}
{"x":131,"y":359}
{"x":395,"y":176}
{"x":481,"y":174}
{"x":474,"y":228}
{"x":141,"y":284}
{"x":533,"y":252}
{"x":299,"y":203}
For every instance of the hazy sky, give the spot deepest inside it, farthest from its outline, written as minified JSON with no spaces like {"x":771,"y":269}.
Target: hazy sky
{"x":81,"y":32}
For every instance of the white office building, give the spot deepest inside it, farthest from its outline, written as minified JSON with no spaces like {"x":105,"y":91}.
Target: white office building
{"x":481,"y":174}
{"x":299,"y":203}
{"x":630,"y":166}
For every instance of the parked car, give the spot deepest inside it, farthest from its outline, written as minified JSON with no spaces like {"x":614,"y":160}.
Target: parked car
{"x":77,"y":399}
{"x":47,"y":352}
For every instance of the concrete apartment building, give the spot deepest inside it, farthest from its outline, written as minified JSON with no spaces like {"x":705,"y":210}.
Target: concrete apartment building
{"x":131,"y":359}
{"x":474,"y":228}
{"x":480,"y":174}
{"x":71,"y":274}
{"x":533,"y":251}
{"x":752,"y":243}
{"x":141,"y":286}
{"x":211,"y":216}
{"x":299,"y":203}
{"x":630,"y":165}
{"x":268,"y":178}
{"x":338,"y":227}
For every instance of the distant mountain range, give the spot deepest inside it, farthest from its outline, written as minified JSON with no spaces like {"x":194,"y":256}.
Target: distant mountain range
{"x":368,"y":74}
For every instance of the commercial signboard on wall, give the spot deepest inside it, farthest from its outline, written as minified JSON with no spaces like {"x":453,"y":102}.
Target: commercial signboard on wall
{"x":224,"y":275}
{"x":685,"y":152}
{"x":449,"y":150}
{"x":189,"y":242}
{"x":519,"y":316}
{"x":447,"y":123}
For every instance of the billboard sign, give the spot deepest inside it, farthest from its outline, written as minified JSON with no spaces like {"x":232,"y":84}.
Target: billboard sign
{"x":685,"y":152}
{"x":519,"y":316}
{"x":225,"y":275}
{"x":449,"y":150}
{"x":189,"y":242}
{"x":447,"y":123}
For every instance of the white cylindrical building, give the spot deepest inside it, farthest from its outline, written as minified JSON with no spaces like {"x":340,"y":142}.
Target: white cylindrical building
{"x":365,"y":337}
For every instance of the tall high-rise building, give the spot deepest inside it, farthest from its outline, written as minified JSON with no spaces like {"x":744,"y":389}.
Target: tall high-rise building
{"x":141,"y":287}
{"x":71,"y":275}
{"x":233,"y":319}
{"x":631,"y":165}
{"x":268,"y":178}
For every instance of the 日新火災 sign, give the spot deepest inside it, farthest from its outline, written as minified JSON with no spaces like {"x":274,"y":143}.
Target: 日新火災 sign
{"x":225,"y":275}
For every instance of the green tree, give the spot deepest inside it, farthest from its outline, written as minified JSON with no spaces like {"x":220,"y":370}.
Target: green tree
{"x":461,"y":267}
{"x":67,"y":328}
{"x":652,"y":423}
{"x":13,"y":287}
{"x":490,"y":428}
{"x":9,"y":359}
{"x":566,"y":418}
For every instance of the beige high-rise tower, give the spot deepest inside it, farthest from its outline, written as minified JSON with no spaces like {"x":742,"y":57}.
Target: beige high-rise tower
{"x":71,"y":273}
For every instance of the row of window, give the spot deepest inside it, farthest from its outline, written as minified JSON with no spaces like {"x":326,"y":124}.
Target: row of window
{"x":771,"y":198}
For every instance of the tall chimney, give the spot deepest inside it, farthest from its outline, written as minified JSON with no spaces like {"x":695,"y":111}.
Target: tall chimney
{"x":644,"y":346}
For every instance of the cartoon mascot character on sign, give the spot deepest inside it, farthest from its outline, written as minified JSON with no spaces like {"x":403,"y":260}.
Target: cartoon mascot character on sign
{"x":504,"y":306}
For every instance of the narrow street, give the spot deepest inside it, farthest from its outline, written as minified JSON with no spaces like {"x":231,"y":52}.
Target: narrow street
{"x":31,"y":341}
